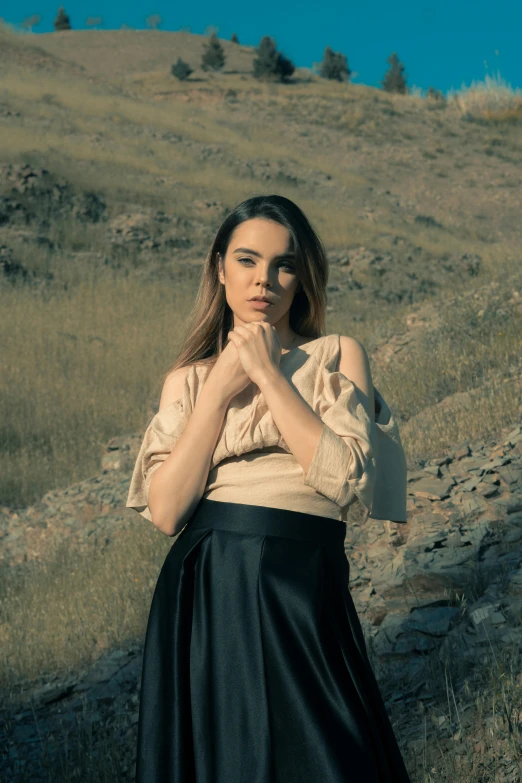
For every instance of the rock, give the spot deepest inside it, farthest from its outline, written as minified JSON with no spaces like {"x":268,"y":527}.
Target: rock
{"x":515,"y":582}
{"x":433,"y":621}
{"x":145,"y":229}
{"x":494,"y":463}
{"x":481,"y":613}
{"x":431,"y":488}
{"x":31,"y":194}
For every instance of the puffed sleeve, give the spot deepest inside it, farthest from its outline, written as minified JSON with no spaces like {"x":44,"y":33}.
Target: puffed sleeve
{"x":356,"y":457}
{"x":343,"y":465}
{"x":159,"y":439}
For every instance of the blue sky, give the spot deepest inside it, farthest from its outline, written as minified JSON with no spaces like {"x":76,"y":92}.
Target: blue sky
{"x":446,"y":44}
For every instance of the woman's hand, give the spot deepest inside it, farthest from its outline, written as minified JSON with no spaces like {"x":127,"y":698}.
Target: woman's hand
{"x":227,"y":375}
{"x":258,"y":348}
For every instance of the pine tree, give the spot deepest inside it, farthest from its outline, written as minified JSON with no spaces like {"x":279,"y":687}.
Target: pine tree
{"x":269,"y":63}
{"x":181,"y":70}
{"x":334,"y":66}
{"x":62,"y":21}
{"x":394,"y":81}
{"x":213,"y":58}
{"x":234,"y":38}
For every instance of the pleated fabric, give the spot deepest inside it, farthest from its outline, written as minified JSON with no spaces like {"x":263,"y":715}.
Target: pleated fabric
{"x":255,"y":668}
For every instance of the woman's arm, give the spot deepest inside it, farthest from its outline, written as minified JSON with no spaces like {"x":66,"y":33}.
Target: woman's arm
{"x":177,"y":485}
{"x":299,"y":425}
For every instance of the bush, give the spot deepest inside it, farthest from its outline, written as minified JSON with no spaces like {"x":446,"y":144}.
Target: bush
{"x":213,"y":58}
{"x":269,"y":63}
{"x":334,"y":66}
{"x":435,"y":95}
{"x":62,"y":21}
{"x":180,"y":69}
{"x":394,"y":81}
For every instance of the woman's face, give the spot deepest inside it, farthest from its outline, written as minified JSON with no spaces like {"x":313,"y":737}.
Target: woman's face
{"x":259,"y":262}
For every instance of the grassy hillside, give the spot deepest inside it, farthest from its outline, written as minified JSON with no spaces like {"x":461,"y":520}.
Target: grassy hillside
{"x":114,"y":177}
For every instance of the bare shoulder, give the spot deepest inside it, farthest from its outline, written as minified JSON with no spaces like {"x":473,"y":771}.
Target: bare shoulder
{"x":351,"y":350}
{"x":173,"y":386}
{"x":354,"y":364}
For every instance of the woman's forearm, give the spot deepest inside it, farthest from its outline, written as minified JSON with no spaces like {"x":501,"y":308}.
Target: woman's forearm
{"x":179,"y":483}
{"x":337,"y":461}
{"x":299,"y":425}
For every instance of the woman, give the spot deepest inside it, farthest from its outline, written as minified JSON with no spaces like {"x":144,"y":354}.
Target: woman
{"x":255,"y":668}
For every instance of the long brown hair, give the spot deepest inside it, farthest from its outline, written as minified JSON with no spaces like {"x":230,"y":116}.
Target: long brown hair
{"x":207,"y":331}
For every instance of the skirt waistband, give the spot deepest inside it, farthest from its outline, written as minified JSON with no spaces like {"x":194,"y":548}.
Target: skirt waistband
{"x":265,"y":520}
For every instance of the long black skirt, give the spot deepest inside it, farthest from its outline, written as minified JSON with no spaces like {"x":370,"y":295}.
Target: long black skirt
{"x":255,"y":668}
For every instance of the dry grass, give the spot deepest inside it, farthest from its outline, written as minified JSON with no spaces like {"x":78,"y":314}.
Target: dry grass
{"x":491,"y":99}
{"x":475,"y":351}
{"x":99,"y":599}
{"x":466,"y":725}
{"x":77,"y":370}
{"x":471,"y":730}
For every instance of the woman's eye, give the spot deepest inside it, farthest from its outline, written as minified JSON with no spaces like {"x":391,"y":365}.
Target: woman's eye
{"x":287,"y":265}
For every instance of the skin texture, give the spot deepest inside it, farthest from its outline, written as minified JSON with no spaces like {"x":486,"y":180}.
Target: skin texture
{"x":245,"y":275}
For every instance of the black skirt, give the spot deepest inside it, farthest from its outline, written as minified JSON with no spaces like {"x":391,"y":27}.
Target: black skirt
{"x":255,"y":668}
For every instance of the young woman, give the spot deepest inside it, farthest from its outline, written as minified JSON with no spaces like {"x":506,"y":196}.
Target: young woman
{"x":255,"y":668}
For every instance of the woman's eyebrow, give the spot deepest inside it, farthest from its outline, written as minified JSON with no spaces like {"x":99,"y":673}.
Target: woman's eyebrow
{"x":259,"y":255}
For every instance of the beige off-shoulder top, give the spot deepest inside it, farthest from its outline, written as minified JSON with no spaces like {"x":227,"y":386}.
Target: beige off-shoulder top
{"x":355,"y":459}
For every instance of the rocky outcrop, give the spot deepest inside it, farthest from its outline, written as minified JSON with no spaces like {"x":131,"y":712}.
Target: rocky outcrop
{"x":147,"y":229}
{"x":405,"y":274}
{"x":454,"y":570}
{"x":33,"y":195}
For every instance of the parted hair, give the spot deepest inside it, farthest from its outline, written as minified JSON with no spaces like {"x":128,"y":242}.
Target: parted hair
{"x":212,"y":319}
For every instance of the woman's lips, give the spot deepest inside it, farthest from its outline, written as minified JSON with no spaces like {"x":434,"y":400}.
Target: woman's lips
{"x":259,"y":305}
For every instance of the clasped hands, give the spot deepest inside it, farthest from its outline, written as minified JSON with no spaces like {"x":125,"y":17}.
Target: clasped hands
{"x":258,"y":348}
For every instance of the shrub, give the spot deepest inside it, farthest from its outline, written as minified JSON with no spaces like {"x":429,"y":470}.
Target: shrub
{"x":62,"y":21}
{"x":269,"y":63}
{"x":213,"y":58}
{"x":394,"y":81}
{"x":180,"y":69}
{"x":334,"y":66}
{"x":435,"y":95}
